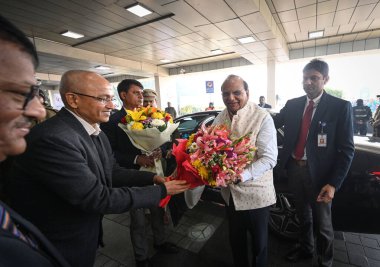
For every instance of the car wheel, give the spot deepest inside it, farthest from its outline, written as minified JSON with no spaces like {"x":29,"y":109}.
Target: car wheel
{"x":283,"y":220}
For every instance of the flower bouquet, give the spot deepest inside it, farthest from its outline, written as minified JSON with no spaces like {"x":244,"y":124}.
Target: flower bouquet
{"x":211,"y":157}
{"x":148,"y":128}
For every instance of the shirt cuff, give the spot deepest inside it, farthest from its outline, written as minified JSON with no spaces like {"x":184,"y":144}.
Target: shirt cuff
{"x":246,"y":175}
{"x":135,"y":161}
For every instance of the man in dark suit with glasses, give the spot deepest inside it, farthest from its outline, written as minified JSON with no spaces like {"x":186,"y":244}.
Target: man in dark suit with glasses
{"x":21,"y":243}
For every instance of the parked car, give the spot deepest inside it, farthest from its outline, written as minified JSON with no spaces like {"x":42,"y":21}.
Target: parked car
{"x":356,"y":206}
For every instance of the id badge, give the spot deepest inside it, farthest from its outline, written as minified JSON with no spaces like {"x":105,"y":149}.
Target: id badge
{"x":322,"y":140}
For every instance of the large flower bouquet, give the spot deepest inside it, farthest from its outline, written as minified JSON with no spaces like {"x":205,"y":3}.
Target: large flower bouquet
{"x":148,"y":127}
{"x":212,"y":157}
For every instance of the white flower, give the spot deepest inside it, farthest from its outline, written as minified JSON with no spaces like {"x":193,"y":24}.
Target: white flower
{"x":157,"y":123}
{"x":193,"y":147}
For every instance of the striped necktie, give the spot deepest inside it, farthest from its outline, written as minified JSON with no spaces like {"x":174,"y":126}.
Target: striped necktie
{"x":7,"y":224}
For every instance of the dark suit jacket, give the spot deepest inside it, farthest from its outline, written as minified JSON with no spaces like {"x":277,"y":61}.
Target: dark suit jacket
{"x":125,"y":152}
{"x":328,"y":165}
{"x":61,"y":185}
{"x":265,"y":106}
{"x":15,"y":252}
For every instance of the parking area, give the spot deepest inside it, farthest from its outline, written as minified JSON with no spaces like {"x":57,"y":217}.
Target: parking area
{"x":203,"y":239}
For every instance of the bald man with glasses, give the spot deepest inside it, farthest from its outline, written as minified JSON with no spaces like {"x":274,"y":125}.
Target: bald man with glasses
{"x":63,"y":183}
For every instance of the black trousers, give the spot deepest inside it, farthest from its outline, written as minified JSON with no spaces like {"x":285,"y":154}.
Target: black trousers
{"x":254,"y":222}
{"x":313,"y":215}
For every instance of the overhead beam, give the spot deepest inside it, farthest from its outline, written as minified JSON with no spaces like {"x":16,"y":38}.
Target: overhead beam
{"x":124,"y":29}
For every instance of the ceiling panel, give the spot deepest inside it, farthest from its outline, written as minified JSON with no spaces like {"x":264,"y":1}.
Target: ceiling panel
{"x":283,"y":5}
{"x":302,"y":3}
{"x":256,"y":22}
{"x":325,"y":20}
{"x":234,"y":28}
{"x":208,"y":10}
{"x":307,"y":11}
{"x":361,"y":13}
{"x":346,"y":28}
{"x":287,"y":16}
{"x":291,"y":27}
{"x":326,"y":7}
{"x":189,"y":34}
{"x":346,"y":4}
{"x":343,"y":16}
{"x":242,"y":7}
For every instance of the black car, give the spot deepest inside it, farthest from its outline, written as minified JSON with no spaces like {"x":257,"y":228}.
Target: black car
{"x":356,"y":206}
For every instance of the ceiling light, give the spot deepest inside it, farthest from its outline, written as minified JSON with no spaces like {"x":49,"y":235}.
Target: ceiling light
{"x":216,"y":51}
{"x":138,"y":10}
{"x":316,"y":34}
{"x":246,"y":40}
{"x":72,"y":34}
{"x":165,"y":60}
{"x":100,"y":67}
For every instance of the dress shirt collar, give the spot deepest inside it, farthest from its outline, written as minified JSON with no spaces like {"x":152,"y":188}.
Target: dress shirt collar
{"x":91,"y":130}
{"x":315,"y":100}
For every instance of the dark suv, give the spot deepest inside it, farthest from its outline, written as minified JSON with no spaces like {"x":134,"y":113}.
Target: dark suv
{"x":356,"y":206}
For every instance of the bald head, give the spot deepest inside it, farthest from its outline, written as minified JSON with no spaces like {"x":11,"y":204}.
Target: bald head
{"x":87,"y":94}
{"x":81,"y":81}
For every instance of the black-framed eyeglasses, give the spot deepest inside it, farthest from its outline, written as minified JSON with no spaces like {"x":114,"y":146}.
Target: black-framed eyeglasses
{"x":34,"y":90}
{"x":103,"y":100}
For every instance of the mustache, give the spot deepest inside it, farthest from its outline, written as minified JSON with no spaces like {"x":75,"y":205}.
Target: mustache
{"x":24,"y":123}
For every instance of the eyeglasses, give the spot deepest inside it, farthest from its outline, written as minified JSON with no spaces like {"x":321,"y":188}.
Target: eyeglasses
{"x":103,"y":100}
{"x":34,"y":90}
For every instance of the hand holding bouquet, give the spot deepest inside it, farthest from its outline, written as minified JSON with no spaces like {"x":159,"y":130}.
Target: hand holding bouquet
{"x":212,"y":157}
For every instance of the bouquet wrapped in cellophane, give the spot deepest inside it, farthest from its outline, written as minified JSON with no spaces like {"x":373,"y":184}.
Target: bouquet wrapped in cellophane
{"x":148,"y":128}
{"x":211,"y":157}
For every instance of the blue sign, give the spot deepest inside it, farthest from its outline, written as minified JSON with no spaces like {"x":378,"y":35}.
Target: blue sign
{"x":209,"y":87}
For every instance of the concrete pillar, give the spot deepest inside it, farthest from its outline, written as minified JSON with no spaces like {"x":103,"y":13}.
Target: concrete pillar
{"x":158,"y":90}
{"x":271,"y":83}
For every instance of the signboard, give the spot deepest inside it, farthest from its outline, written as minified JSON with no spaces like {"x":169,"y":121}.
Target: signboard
{"x":209,"y":87}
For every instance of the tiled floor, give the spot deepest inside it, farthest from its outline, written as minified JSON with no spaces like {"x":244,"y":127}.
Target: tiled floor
{"x":195,"y":229}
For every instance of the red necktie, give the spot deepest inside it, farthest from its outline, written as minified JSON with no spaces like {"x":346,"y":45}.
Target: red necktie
{"x":306,"y":120}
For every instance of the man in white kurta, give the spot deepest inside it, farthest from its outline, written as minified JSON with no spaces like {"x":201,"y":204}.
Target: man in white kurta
{"x":248,"y":201}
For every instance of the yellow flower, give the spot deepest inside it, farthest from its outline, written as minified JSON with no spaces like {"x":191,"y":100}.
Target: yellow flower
{"x":137,"y":126}
{"x":157,"y":115}
{"x":137,"y":115}
{"x":203,"y":172}
{"x":212,"y":183}
{"x":190,"y":140}
{"x":197,"y":163}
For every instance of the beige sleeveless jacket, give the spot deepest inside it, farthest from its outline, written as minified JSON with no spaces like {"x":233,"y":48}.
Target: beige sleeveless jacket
{"x":251,"y":194}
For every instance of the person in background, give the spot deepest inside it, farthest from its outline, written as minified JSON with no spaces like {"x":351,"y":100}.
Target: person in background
{"x":210,"y":106}
{"x":376,"y":120}
{"x":50,"y":111}
{"x":317,"y":152}
{"x":127,"y":155}
{"x":68,"y":179}
{"x":171,"y":110}
{"x":21,"y":243}
{"x":362,"y":114}
{"x":263,"y":104}
{"x":149,"y":98}
{"x":248,"y":202}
